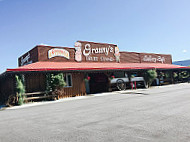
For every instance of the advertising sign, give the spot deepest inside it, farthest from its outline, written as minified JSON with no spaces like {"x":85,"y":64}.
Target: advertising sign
{"x":155,"y":58}
{"x":55,"y":52}
{"x":94,"y":52}
{"x":25,"y":60}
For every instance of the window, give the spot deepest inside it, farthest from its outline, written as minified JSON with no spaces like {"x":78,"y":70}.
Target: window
{"x":119,"y":74}
{"x":68,"y":80}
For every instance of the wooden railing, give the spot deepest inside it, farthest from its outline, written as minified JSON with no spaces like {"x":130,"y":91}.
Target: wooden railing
{"x":35,"y":96}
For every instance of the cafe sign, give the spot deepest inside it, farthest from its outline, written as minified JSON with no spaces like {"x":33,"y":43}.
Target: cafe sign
{"x":56,"y":52}
{"x":150,"y":58}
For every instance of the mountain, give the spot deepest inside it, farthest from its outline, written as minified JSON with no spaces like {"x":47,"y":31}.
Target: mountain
{"x":182,"y":63}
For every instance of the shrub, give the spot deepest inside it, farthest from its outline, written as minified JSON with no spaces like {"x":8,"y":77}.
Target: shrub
{"x":150,"y":76}
{"x":20,"y":89}
{"x":54,"y":81}
{"x":175,"y":75}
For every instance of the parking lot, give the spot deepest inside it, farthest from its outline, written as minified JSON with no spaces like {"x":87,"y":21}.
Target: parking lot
{"x":156,"y":114}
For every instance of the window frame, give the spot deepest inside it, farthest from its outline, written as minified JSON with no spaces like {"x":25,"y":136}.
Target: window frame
{"x":67,"y":80}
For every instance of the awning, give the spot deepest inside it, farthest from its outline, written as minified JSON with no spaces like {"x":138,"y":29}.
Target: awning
{"x":75,"y":66}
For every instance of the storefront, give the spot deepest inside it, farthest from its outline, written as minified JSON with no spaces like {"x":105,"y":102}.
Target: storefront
{"x":89,"y":67}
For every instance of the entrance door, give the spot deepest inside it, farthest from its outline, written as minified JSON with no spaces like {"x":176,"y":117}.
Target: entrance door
{"x":98,"y":83}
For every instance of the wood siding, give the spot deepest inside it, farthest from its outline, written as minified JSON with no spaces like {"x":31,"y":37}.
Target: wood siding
{"x":35,"y":82}
{"x":101,"y":57}
{"x":134,"y":57}
{"x":40,"y":53}
{"x":32,"y":59}
{"x":77,"y":89}
{"x":7,"y":88}
{"x":129,"y":57}
{"x":43,"y":54}
{"x":155,"y":58}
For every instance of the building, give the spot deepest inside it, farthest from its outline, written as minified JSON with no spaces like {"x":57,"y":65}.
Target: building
{"x":87,"y":68}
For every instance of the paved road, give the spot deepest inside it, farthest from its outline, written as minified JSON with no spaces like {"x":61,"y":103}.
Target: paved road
{"x":155,"y":115}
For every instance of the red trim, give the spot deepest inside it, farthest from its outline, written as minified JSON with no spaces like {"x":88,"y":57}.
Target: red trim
{"x":73,"y":66}
{"x":74,"y":69}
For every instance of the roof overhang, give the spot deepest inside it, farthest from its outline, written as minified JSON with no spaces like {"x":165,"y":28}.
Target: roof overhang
{"x":91,"y":66}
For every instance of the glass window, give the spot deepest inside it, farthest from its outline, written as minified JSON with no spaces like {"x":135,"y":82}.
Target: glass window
{"x":68,"y":80}
{"x":119,"y":74}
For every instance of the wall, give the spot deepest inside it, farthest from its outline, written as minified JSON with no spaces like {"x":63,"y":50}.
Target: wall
{"x":129,"y":57}
{"x":29,"y":57}
{"x":7,"y":88}
{"x":95,"y":52}
{"x":36,"y":82}
{"x":85,"y":51}
{"x":155,"y":58}
{"x":134,"y":57}
{"x":43,"y":54}
{"x":77,"y":89}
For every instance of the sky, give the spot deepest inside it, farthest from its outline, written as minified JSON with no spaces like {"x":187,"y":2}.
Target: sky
{"x":152,"y":26}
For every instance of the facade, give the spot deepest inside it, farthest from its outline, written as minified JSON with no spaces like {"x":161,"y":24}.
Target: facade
{"x":87,"y":68}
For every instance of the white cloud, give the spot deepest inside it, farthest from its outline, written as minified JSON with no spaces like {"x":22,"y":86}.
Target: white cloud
{"x":184,"y":51}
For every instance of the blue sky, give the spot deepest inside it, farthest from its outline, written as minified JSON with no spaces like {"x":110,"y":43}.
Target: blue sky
{"x":155,"y":26}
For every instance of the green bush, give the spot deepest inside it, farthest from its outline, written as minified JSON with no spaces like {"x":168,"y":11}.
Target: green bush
{"x":20,"y":89}
{"x":54,"y":81}
{"x":150,"y":76}
{"x":183,"y":74}
{"x":175,"y":75}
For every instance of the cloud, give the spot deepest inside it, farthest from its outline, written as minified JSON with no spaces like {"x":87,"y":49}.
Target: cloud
{"x":184,"y":51}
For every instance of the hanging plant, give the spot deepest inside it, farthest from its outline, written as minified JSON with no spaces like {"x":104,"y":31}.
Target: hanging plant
{"x":87,"y":78}
{"x":162,"y":74}
{"x":112,"y":77}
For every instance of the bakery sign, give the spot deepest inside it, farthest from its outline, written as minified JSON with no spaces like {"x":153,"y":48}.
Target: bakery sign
{"x":56,"y":52}
{"x":96,"y":52}
{"x":150,"y":58}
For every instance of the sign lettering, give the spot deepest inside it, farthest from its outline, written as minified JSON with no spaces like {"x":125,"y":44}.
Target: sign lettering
{"x":25,"y":60}
{"x":55,"y":52}
{"x":95,"y":52}
{"x":149,"y":58}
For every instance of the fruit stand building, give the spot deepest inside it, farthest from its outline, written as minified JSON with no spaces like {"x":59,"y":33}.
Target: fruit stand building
{"x":87,"y":68}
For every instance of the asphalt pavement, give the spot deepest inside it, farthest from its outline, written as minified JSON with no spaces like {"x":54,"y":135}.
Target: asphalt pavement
{"x":159,"y":114}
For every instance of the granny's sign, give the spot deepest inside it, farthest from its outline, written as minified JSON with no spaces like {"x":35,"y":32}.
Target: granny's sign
{"x":96,"y":52}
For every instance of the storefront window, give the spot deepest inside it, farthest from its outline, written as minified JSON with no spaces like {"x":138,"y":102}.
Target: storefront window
{"x":68,"y":80}
{"x":119,"y":74}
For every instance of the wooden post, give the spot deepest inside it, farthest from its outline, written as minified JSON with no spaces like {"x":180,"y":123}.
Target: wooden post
{"x":172,"y":77}
{"x":135,"y":85}
{"x":129,"y":76}
{"x":158,"y":73}
{"x":178,"y":76}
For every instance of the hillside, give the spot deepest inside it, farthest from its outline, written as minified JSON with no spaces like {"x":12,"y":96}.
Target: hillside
{"x":182,"y":63}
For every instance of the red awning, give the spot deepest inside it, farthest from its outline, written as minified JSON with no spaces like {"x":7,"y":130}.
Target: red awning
{"x":73,"y":66}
